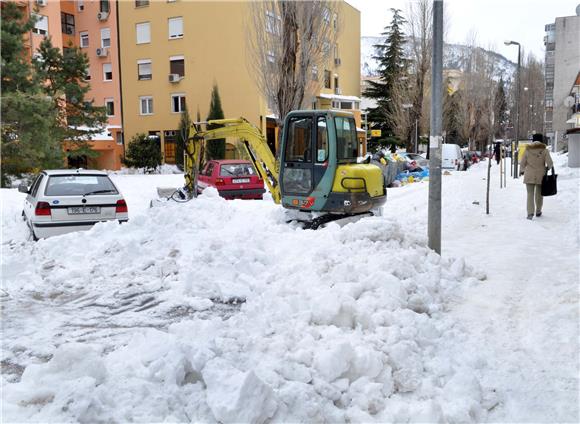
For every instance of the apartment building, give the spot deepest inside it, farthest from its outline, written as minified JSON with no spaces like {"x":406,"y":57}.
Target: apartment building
{"x":92,"y":26}
{"x":173,"y":52}
{"x":562,"y":65}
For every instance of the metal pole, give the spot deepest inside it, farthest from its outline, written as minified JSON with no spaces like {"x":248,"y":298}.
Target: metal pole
{"x":416,"y":136}
{"x":434,"y":207}
{"x":517,"y":112}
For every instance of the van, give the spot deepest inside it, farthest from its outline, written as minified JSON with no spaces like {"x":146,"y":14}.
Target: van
{"x":451,"y":156}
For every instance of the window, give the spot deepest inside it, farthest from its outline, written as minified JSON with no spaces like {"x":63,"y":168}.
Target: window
{"x":176,"y":27}
{"x":144,"y":71}
{"x":298,"y":178}
{"x":315,"y":73}
{"x":237,"y":170}
{"x":110,"y":107}
{"x":105,"y":38}
{"x":299,"y":135}
{"x":336,"y":82}
{"x":321,"y":140}
{"x":326,"y":15}
{"x":335,"y":22}
{"x":177,"y":65}
{"x":326,"y":79}
{"x":107,"y":72}
{"x":35,"y":185}
{"x":346,"y":105}
{"x":208,"y":169}
{"x":104,"y":6}
{"x":143,"y":31}
{"x":271,"y":57}
{"x":177,"y":103}
{"x":67,"y":23}
{"x":41,"y":25}
{"x":77,"y":185}
{"x":141,"y":3}
{"x":84,"y":38}
{"x":80,"y":5}
{"x":273,"y":23}
{"x":146,"y":105}
{"x":346,"y":142}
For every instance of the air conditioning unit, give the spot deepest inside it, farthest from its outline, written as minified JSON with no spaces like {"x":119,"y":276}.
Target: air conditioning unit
{"x":174,"y":77}
{"x":337,"y":61}
{"x":337,"y":90}
{"x":103,"y":16}
{"x":102,"y":52}
{"x":41,"y":2}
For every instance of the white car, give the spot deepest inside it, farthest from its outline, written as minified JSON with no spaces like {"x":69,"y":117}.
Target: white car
{"x":62,"y":201}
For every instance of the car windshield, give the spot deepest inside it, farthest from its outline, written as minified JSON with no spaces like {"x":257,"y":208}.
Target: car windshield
{"x":79,"y":185}
{"x":237,"y":170}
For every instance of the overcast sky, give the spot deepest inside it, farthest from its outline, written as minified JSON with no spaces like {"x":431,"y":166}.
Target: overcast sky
{"x":492,"y":20}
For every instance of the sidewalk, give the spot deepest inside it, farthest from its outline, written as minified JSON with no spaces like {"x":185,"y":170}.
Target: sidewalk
{"x":523,"y":321}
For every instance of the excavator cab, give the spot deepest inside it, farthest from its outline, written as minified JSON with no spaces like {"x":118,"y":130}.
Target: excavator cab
{"x":318,"y":165}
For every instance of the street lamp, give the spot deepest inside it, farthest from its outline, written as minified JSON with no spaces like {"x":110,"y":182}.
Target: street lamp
{"x":515,"y":162}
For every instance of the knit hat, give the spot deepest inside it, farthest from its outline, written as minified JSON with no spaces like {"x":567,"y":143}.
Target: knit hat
{"x":538,"y":137}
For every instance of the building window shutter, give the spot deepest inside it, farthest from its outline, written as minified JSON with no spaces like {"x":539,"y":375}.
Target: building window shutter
{"x":107,"y":72}
{"x":106,"y":37}
{"x":144,"y":69}
{"x":143,"y":33}
{"x":41,"y":25}
{"x":176,"y":27}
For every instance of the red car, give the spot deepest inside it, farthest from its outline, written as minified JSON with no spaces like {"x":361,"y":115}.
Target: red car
{"x":234,"y":179}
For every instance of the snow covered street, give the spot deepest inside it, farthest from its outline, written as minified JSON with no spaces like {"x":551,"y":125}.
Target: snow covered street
{"x":220,"y":311}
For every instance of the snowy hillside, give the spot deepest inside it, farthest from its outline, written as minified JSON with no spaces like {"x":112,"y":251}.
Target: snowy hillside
{"x":454,"y":57}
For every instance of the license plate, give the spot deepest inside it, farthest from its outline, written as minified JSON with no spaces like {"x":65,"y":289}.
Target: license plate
{"x":81,"y":210}
{"x":240,"y":180}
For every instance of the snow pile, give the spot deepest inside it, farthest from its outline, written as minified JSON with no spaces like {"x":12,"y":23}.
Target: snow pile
{"x":220,"y":311}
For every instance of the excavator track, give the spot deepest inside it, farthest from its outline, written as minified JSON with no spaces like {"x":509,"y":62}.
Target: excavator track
{"x":320,"y":221}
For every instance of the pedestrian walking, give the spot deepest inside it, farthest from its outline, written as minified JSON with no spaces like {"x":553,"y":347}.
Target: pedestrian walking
{"x":535,"y":161}
{"x":496,"y":152}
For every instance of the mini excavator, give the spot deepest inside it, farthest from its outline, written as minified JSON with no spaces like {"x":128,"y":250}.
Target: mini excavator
{"x":316,"y":172}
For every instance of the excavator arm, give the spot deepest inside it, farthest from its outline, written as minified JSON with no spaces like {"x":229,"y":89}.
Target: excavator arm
{"x":253,"y":141}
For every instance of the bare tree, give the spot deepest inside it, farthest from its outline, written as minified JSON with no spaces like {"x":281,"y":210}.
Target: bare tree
{"x":289,"y":44}
{"x":420,"y":23}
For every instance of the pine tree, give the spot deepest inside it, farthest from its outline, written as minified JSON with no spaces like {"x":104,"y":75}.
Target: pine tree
{"x":501,"y":116}
{"x":182,"y":136}
{"x":217,"y":148}
{"x":29,"y":142}
{"x":392,"y":67}
{"x":65,"y":73}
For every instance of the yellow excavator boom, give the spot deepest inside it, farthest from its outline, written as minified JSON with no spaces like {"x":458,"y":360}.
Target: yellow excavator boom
{"x":251,"y":137}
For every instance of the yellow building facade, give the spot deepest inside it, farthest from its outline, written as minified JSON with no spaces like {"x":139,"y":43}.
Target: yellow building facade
{"x":173,"y":52}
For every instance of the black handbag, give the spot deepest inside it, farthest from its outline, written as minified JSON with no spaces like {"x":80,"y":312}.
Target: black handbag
{"x":549,"y":186}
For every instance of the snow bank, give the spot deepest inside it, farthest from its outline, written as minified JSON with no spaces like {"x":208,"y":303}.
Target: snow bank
{"x":220,"y":311}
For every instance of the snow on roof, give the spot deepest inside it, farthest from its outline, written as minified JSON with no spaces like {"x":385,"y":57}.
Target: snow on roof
{"x":102,"y":134}
{"x":339,"y":97}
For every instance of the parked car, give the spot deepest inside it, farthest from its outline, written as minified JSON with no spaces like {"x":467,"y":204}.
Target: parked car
{"x":475,"y":156}
{"x":234,"y":179}
{"x":451,"y":156}
{"x":417,"y":158}
{"x":62,"y":201}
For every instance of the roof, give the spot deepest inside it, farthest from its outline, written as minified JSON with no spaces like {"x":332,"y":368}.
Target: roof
{"x":340,"y":97}
{"x":79,"y":171}
{"x":230,"y":161}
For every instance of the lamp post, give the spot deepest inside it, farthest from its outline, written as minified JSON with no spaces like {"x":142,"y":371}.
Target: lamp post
{"x":515,"y":160}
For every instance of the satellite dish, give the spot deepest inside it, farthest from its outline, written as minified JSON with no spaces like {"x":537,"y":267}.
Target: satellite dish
{"x":569,"y":101}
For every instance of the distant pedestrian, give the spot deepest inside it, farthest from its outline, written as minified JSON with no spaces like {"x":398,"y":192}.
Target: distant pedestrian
{"x":535,"y":161}
{"x":496,"y":152}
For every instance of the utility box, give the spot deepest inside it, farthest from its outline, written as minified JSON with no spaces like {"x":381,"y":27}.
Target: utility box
{"x":573,"y":147}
